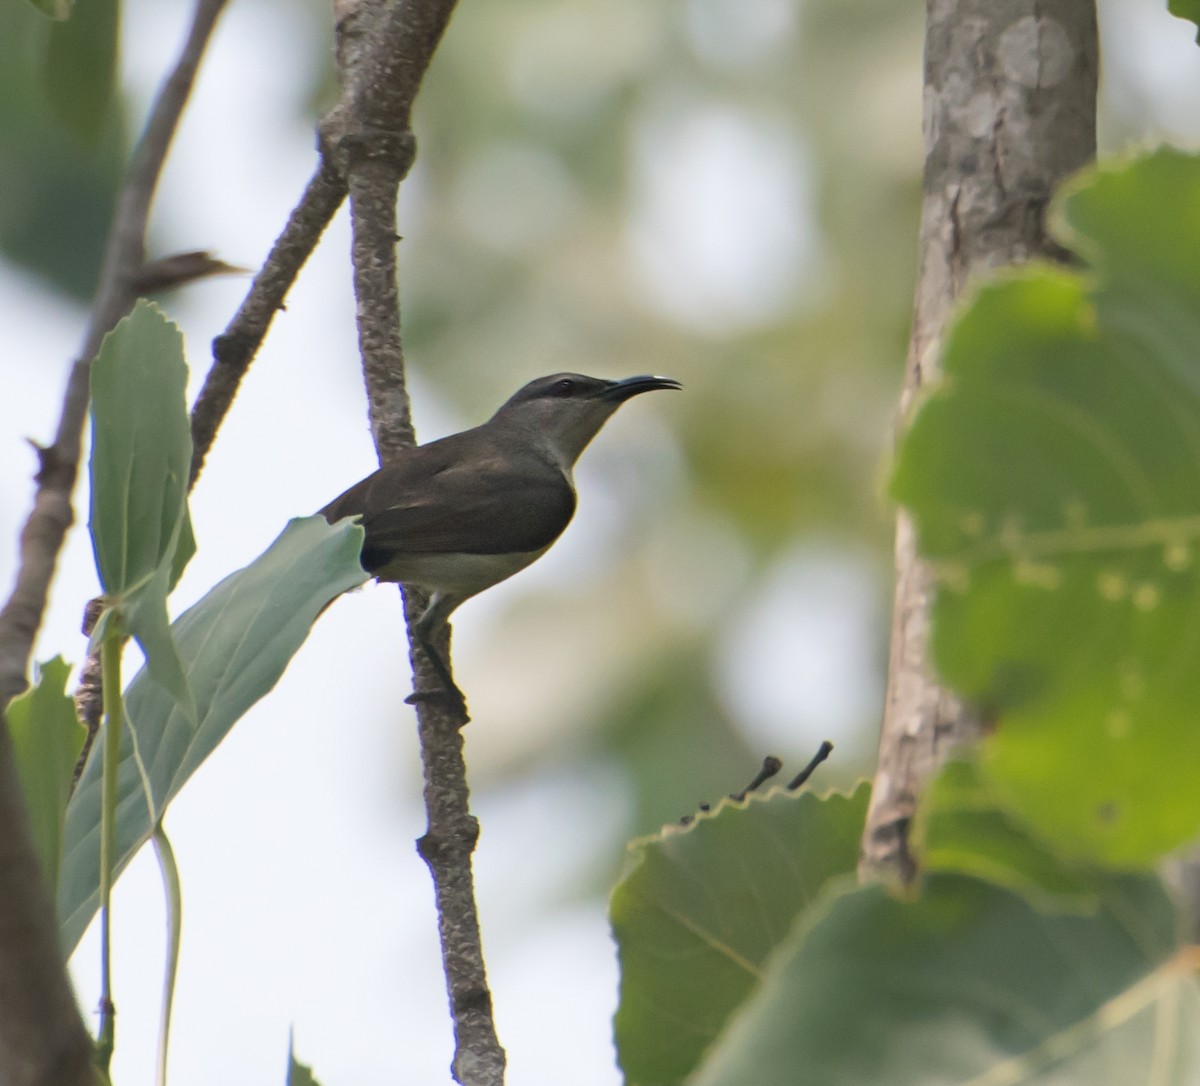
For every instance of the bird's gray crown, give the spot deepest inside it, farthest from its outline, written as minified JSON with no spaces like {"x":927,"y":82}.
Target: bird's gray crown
{"x":561,"y":413}
{"x":578,"y":386}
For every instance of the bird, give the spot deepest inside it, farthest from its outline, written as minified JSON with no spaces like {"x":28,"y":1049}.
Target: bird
{"x":460,"y":514}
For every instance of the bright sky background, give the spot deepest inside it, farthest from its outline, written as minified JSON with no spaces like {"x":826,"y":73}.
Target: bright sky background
{"x":305,"y":904}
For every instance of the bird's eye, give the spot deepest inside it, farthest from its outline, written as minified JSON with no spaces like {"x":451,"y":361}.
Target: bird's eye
{"x":565,"y":387}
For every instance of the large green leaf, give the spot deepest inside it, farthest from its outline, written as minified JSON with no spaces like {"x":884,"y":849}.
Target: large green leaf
{"x":970,"y":984}
{"x":141,"y":456}
{"x":47,"y":738}
{"x":235,"y":643}
{"x":1055,"y":481}
{"x":961,"y":828}
{"x":703,"y":905}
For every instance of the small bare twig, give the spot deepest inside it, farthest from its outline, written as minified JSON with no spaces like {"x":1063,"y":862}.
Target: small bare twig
{"x":771,"y":766}
{"x":43,"y":1041}
{"x":180,"y":269}
{"x":801,"y":778}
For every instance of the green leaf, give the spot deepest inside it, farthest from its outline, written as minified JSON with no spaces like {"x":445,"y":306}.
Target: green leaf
{"x":55,"y":9}
{"x":58,"y":189}
{"x":703,"y":906}
{"x":1054,"y":477}
{"x":235,"y":644}
{"x":1185,"y":9}
{"x":970,"y":983}
{"x":141,"y":457}
{"x":185,"y":550}
{"x":80,"y":69}
{"x":961,"y":828}
{"x":47,"y":738}
{"x":299,"y":1074}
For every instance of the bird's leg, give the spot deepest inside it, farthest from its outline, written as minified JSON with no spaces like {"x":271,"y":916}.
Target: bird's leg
{"x":449,"y":691}
{"x":424,"y":629}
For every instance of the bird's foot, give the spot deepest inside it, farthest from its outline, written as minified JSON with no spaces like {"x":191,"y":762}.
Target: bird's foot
{"x":449,"y":694}
{"x":453,"y":699}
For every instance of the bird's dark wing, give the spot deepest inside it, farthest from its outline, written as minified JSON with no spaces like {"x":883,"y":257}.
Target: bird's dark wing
{"x":430,"y":504}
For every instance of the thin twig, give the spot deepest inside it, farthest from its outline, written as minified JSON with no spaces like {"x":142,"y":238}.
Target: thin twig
{"x":801,"y":778}
{"x":180,"y":269}
{"x":369,"y":132}
{"x":770,"y":767}
{"x":43,"y":1041}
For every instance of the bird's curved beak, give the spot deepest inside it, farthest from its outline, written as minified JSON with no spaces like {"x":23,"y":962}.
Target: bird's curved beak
{"x":620,"y":391}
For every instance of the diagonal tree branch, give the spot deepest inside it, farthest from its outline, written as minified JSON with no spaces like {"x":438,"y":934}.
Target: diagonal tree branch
{"x":43,"y":1041}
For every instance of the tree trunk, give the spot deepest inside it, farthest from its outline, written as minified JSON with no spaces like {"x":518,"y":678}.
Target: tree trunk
{"x":1010,"y":111}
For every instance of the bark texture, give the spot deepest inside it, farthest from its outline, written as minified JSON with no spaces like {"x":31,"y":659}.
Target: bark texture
{"x":383,"y":52}
{"x":1009,"y":113}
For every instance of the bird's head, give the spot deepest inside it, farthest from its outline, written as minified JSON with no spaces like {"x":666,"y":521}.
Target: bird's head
{"x":566,"y":410}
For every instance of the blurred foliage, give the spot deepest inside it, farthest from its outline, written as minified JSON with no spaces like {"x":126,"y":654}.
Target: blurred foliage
{"x":749,"y":953}
{"x":970,"y":983}
{"x":63,"y":136}
{"x":569,"y":89}
{"x":55,"y":9}
{"x":962,"y":827}
{"x":545,"y":131}
{"x":725,"y":191}
{"x":80,"y":70}
{"x":677,"y":745}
